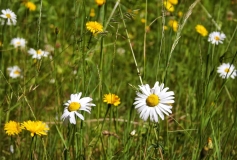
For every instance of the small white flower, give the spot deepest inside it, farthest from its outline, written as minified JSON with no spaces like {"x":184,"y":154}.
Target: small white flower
{"x":154,"y":102}
{"x":14,"y":71}
{"x":11,"y":149}
{"x":18,"y":42}
{"x":133,"y":133}
{"x":9,"y":15}
{"x":75,"y":104}
{"x":216,"y":37}
{"x":226,"y":70}
{"x":38,"y":54}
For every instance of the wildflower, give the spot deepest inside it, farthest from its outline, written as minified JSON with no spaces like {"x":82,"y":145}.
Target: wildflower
{"x":100,"y":2}
{"x":201,"y":30}
{"x":11,"y":148}
{"x":30,"y":5}
{"x":112,"y":99}
{"x":38,"y":54}
{"x":226,"y":70}
{"x":94,"y":27}
{"x":75,"y":104}
{"x":36,"y":127}
{"x":174,"y":24}
{"x":174,"y":2}
{"x":154,"y":102}
{"x":143,"y":20}
{"x":169,"y":6}
{"x":92,"y":13}
{"x":216,"y":37}
{"x":18,"y":42}
{"x":133,"y":133}
{"x":180,"y":14}
{"x":12,"y":128}
{"x":14,"y":71}
{"x":10,"y":16}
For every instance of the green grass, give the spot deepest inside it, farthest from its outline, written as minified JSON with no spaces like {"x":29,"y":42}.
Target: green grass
{"x":125,"y":55}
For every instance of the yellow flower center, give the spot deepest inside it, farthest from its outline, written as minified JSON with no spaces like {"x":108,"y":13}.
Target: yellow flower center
{"x":227,"y":70}
{"x":18,"y":42}
{"x":8,"y":15}
{"x":16,"y":72}
{"x":74,"y":106}
{"x":152,"y":100}
{"x":217,"y":38}
{"x":39,"y":52}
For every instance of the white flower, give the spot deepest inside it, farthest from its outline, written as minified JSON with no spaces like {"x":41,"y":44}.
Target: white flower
{"x":154,"y":102}
{"x":38,"y":54}
{"x":14,"y":71}
{"x":226,"y":70}
{"x":11,"y":149}
{"x":10,"y":16}
{"x":18,"y":42}
{"x":216,"y":37}
{"x":75,"y":104}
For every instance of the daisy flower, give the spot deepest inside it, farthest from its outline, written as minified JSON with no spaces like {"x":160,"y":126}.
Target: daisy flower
{"x":100,"y":2}
{"x":35,"y":127}
{"x":12,"y":128}
{"x":18,"y":42}
{"x":112,"y":99}
{"x":201,"y":30}
{"x":75,"y":104}
{"x":226,"y":70}
{"x":38,"y":54}
{"x":14,"y":71}
{"x":9,"y":15}
{"x":94,"y":27}
{"x":216,"y":37}
{"x":154,"y":102}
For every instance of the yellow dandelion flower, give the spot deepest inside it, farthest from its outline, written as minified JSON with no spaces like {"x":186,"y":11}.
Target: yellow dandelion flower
{"x":174,"y":2}
{"x":92,"y":13}
{"x":100,"y":2}
{"x":174,"y":24}
{"x":112,"y":99}
{"x":35,"y":127}
{"x":12,"y":128}
{"x":31,"y":6}
{"x":94,"y":27}
{"x":169,"y":6}
{"x":201,"y":30}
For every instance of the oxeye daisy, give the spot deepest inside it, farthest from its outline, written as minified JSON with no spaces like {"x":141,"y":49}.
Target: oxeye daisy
{"x":38,"y":54}
{"x":35,"y":127}
{"x":75,"y":104}
{"x":226,"y":70}
{"x":201,"y":30}
{"x":9,"y":15}
{"x":18,"y":42}
{"x":100,"y":2}
{"x":12,"y":128}
{"x":154,"y":102}
{"x":14,"y":71}
{"x":94,"y":27}
{"x":216,"y":37}
{"x":112,"y":99}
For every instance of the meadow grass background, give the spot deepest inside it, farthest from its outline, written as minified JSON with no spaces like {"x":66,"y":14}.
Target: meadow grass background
{"x":205,"y":104}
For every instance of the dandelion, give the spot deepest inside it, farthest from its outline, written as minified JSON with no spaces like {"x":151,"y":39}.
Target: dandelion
{"x":174,"y":24}
{"x":226,"y":70}
{"x":201,"y":30}
{"x":154,"y":102}
{"x":18,"y":42}
{"x":94,"y":27}
{"x":10,"y":16}
{"x":35,"y":127}
{"x":174,"y":2}
{"x":112,"y":99}
{"x":75,"y":104}
{"x":169,"y":6}
{"x":14,"y":71}
{"x":216,"y":37}
{"x":12,"y":128}
{"x":38,"y":54}
{"x":30,"y":5}
{"x":100,"y":2}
